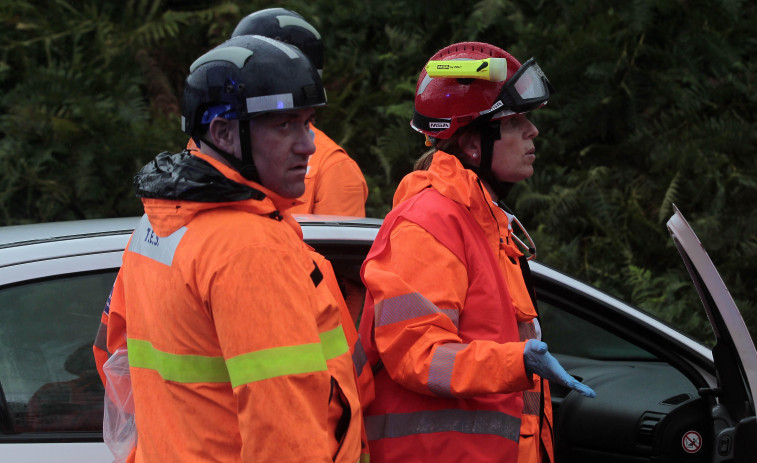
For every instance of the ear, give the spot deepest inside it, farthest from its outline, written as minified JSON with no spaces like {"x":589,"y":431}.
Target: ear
{"x":470,"y":144}
{"x":223,"y":134}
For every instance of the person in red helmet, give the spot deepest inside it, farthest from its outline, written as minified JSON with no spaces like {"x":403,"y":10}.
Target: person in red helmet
{"x":450,"y":327}
{"x":334,"y":183}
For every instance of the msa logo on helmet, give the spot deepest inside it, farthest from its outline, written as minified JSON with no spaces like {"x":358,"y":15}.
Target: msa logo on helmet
{"x":494,"y":107}
{"x":438,"y":125}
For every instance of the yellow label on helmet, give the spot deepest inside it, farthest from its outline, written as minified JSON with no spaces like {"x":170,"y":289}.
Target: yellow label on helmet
{"x":492,"y":69}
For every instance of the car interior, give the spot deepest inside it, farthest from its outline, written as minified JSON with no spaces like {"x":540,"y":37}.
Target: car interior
{"x":50,"y":385}
{"x":648,"y":406}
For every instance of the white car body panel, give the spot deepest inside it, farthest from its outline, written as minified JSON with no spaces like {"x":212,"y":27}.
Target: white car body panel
{"x":722,"y":299}
{"x":67,"y":452}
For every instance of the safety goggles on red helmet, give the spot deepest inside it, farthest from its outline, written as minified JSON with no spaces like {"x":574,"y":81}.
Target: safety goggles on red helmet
{"x":526,"y":90}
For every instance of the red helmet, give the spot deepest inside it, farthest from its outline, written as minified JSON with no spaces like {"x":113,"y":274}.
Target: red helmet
{"x":450,"y":101}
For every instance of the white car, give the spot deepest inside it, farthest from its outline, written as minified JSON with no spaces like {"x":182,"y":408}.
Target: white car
{"x":660,"y":397}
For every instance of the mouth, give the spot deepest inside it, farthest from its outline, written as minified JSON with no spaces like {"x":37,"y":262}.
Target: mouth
{"x":531,"y":153}
{"x":299,"y":168}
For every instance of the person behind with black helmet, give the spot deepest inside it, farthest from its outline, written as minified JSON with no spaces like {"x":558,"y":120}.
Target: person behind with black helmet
{"x":334,"y":183}
{"x":235,"y":345}
{"x":455,"y":346}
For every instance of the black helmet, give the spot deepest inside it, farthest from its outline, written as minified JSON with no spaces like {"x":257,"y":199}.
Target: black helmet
{"x":244,"y":77}
{"x":286,"y":26}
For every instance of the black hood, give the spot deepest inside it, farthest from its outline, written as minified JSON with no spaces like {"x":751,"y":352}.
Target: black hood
{"x":182,"y":176}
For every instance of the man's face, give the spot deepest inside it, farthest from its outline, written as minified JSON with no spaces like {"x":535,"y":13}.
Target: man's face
{"x":281,"y":145}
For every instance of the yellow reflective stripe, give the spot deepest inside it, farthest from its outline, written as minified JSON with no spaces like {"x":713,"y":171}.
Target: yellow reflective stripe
{"x":334,"y":343}
{"x":277,"y":361}
{"x":242,"y":369}
{"x":176,"y":367}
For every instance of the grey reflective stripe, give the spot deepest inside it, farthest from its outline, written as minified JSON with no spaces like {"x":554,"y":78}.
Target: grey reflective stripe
{"x":440,"y":371}
{"x":526,"y":330}
{"x":101,"y":340}
{"x":280,"y":45}
{"x":427,"y":422}
{"x":234,"y":55}
{"x":422,"y":87}
{"x":270,"y":103}
{"x":531,"y":402}
{"x":285,"y":21}
{"x":407,"y":307}
{"x":359,"y":358}
{"x":145,"y":242}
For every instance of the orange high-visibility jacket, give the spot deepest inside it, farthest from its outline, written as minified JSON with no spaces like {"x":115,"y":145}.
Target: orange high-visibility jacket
{"x":236,"y":347}
{"x":443,"y":327}
{"x":334,"y":183}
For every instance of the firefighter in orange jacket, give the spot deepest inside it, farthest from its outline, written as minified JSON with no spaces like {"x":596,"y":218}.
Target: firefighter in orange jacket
{"x":450,"y":327}
{"x":235,"y":343}
{"x":334,"y":183}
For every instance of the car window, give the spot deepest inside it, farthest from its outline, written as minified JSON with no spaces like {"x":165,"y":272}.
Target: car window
{"x":47,"y":368}
{"x":568,"y":334}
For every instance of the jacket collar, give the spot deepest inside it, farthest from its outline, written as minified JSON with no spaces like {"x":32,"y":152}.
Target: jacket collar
{"x":165,"y":184}
{"x":448,"y":176}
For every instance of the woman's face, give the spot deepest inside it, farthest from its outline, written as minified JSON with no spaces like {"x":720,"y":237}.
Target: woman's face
{"x":513,"y":155}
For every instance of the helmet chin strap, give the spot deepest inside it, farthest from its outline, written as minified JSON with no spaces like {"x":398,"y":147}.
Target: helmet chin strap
{"x":245,"y":166}
{"x":248,"y":169}
{"x":489,"y":134}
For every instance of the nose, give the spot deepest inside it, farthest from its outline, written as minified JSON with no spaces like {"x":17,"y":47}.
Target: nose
{"x":531,"y":130}
{"x":305,"y":142}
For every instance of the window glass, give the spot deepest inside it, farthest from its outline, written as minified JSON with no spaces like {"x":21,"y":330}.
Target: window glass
{"x":568,"y":334}
{"x":47,"y":368}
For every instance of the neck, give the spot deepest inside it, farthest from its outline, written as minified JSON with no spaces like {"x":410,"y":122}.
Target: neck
{"x":498,"y":190}
{"x":491,"y":191}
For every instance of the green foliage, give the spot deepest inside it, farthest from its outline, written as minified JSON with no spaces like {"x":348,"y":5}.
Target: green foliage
{"x":655,"y":106}
{"x":658,"y":97}
{"x":93,"y":95}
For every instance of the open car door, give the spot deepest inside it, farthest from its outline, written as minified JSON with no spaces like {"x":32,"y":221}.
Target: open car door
{"x":735,"y":428}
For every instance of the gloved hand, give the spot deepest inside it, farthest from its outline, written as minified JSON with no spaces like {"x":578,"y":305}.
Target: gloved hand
{"x":538,"y":360}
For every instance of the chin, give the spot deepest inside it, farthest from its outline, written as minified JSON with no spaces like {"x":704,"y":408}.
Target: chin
{"x":292,"y":194}
{"x":518,"y":178}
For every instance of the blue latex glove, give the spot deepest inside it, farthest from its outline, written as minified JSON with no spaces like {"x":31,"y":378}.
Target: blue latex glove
{"x":538,"y":360}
